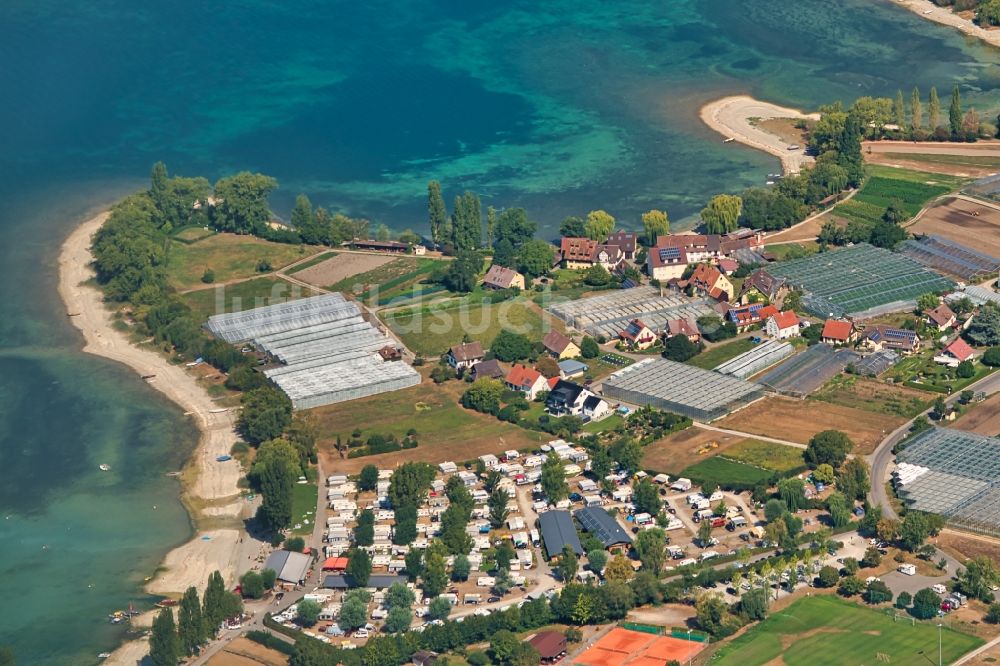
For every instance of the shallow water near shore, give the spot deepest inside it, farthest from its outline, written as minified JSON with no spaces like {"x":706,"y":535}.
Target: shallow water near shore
{"x":560,"y":107}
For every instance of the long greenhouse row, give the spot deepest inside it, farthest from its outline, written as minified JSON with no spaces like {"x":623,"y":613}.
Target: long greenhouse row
{"x":608,"y":314}
{"x":327,"y":350}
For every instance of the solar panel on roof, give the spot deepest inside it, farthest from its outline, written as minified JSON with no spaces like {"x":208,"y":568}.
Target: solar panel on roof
{"x":669,"y":253}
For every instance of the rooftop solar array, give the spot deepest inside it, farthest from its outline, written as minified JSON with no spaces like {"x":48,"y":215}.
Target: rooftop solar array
{"x":327,"y":349}
{"x":962,"y":483}
{"x":859,"y":281}
{"x":608,"y":314}
{"x":945,"y":256}
{"x":599,"y":522}
{"x":684,"y":389}
{"x":757,"y":359}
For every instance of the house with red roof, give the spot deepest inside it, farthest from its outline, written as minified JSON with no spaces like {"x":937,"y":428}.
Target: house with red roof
{"x":747,"y":316}
{"x":728,"y":266}
{"x":577,"y":253}
{"x":666,"y":263}
{"x":526,"y":380}
{"x":941,"y":317}
{"x":880,"y":336}
{"x":783,"y":325}
{"x":637,"y":335}
{"x":709,"y":280}
{"x":628,"y":241}
{"x":838,"y":332}
{"x":956,"y":352}
{"x":686,"y":327}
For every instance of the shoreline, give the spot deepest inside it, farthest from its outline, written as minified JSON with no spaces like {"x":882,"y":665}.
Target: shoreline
{"x":926,"y":9}
{"x":205,"y":482}
{"x":730,"y":117}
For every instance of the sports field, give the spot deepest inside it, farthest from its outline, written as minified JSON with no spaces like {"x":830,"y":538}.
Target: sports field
{"x":827,"y":631}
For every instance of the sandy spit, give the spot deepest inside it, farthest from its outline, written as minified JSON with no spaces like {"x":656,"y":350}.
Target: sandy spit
{"x":730,"y":117}
{"x":212,"y":482}
{"x":943,"y":15}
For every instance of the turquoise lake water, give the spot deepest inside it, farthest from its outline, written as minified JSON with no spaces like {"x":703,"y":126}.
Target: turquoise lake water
{"x":560,"y":107}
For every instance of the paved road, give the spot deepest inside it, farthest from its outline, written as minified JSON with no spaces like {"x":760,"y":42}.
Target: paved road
{"x":882,"y":457}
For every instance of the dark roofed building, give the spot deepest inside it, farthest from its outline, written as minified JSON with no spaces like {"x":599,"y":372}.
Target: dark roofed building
{"x":762,"y":285}
{"x":488,"y":369}
{"x":558,"y":530}
{"x":377,"y":581}
{"x":551,"y":645}
{"x":289,"y":566}
{"x":560,"y":345}
{"x":602,"y":525}
{"x":626,"y":240}
{"x":563,"y":398}
{"x":465,"y":355}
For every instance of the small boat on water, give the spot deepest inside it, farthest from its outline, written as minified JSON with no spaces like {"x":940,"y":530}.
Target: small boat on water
{"x":104,"y":467}
{"x":730,"y":140}
{"x":166,"y":603}
{"x":173,"y":474}
{"x":103,"y":655}
{"x":223,"y":458}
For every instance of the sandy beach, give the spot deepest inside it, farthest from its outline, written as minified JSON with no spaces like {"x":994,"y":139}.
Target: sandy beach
{"x":943,"y":15}
{"x":211,"y":483}
{"x":730,"y":117}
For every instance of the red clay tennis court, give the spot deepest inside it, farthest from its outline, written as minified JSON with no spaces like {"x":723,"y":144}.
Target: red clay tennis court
{"x":621,"y":647}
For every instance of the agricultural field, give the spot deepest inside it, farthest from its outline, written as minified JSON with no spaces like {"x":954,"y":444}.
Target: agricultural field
{"x":375,"y":276}
{"x":230,"y":256}
{"x":874,"y":396}
{"x":244,"y":295}
{"x":982,"y":418}
{"x":827,"y":631}
{"x":318,"y":259}
{"x":962,"y":546}
{"x":787,"y":251}
{"x":680,"y":450}
{"x":445,"y":430}
{"x":769,"y":455}
{"x":719,"y":354}
{"x":431,"y":329}
{"x":964,"y":165}
{"x":910,"y":189}
{"x":964,"y":222}
{"x":245,"y":652}
{"x":719,"y":471}
{"x":798,"y":421}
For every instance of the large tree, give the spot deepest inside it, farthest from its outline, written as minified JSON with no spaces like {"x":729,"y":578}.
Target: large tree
{"x":274,"y":473}
{"x":572,"y":227}
{"x":164,"y":644}
{"x":955,"y":113}
{"x":535,"y":258}
{"x":190,"y":623}
{"x":985,"y":327}
{"x":553,"y":480}
{"x":359,"y":567}
{"x":437,"y":214}
{"x":265,"y":414}
{"x":599,"y":225}
{"x":463,"y":271}
{"x":830,"y":447}
{"x":467,"y":222}
{"x":655,"y":224}
{"x":514,"y":225}
{"x":916,"y":109}
{"x":649,"y":546}
{"x":899,"y":110}
{"x":933,"y":110}
{"x":241,"y":202}
{"x":722,"y":213}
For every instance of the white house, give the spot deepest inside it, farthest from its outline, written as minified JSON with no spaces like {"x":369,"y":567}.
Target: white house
{"x":783,"y":325}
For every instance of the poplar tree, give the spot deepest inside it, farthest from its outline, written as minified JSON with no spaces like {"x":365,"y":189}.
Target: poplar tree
{"x":899,"y":110}
{"x":190,"y":624}
{"x":436,"y":212}
{"x":491,"y":224}
{"x":916,"y":110}
{"x":955,"y":113}
{"x":933,"y":110}
{"x":213,"y":605}
{"x":164,"y":645}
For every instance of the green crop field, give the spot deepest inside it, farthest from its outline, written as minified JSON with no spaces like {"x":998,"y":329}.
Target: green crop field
{"x":828,"y":631}
{"x":769,"y":455}
{"x":910,"y":189}
{"x":240,"y":296}
{"x":718,"y":355}
{"x":719,"y":471}
{"x":982,"y":161}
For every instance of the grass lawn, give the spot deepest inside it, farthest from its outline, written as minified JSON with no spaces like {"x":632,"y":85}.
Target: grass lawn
{"x":710,"y":358}
{"x":775,"y":457}
{"x":318,"y":259}
{"x":922,"y":373}
{"x":608,"y":423}
{"x":785,"y":251}
{"x":719,"y":471}
{"x":303,"y":507}
{"x":192,"y":234}
{"x":445,"y":430}
{"x":874,"y":396}
{"x":243,"y":296}
{"x":430,"y":330}
{"x":229,"y":256}
{"x":827,"y":631}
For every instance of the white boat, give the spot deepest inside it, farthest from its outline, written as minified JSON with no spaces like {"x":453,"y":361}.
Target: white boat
{"x":104,"y":467}
{"x":730,"y":140}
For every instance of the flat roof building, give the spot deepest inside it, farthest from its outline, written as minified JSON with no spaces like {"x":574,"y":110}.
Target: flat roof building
{"x":290,"y":567}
